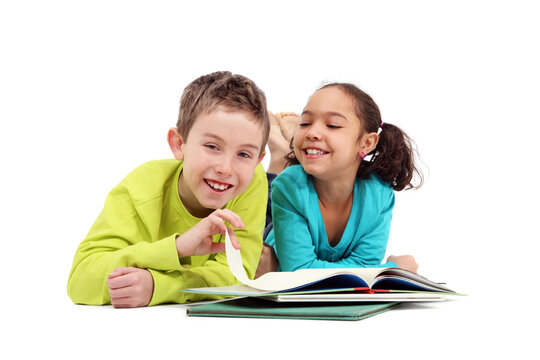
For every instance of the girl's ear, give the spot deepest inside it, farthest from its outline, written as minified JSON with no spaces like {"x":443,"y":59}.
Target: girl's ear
{"x":368,"y":142}
{"x":176,"y":143}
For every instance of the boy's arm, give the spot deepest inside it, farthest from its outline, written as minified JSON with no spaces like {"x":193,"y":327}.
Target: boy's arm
{"x":251,"y":207}
{"x":119,"y":238}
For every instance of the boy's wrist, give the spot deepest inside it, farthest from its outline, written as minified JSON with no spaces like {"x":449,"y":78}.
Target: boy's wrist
{"x":179,"y":249}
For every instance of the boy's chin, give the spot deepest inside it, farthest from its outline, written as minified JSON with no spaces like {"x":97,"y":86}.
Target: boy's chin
{"x":218,"y":202}
{"x":214,"y":205}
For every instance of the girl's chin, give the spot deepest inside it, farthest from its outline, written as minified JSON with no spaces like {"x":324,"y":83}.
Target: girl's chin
{"x":312,"y":169}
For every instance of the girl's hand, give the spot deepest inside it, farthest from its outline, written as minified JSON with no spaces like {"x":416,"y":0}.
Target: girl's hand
{"x":198,"y":239}
{"x":130,"y":287}
{"x":268,"y":261}
{"x":406,"y":262}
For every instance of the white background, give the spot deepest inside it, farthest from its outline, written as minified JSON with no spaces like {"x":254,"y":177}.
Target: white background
{"x":88,"y":91}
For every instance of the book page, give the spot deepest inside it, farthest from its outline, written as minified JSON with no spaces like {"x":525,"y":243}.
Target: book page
{"x":285,"y":280}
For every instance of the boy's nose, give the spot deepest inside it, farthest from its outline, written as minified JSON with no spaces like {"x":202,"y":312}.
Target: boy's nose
{"x":223,"y":167}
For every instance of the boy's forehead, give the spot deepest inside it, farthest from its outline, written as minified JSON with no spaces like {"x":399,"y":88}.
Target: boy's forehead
{"x":222,"y":112}
{"x":230,"y":110}
{"x":231,"y":124}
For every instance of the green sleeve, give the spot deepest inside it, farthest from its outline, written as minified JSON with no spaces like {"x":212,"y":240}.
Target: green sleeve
{"x":251,"y":207}
{"x":127,"y":235}
{"x":118,"y":237}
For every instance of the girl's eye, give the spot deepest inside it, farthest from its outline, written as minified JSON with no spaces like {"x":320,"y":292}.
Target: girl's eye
{"x":334,"y":126}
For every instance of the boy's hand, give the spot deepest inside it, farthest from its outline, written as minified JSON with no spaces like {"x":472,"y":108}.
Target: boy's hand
{"x":198,"y":239}
{"x":406,"y":262}
{"x":130,"y":287}
{"x":268,"y":261}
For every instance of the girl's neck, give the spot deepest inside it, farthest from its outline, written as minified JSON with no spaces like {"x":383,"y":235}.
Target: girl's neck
{"x":335,"y":204}
{"x":335,"y":192}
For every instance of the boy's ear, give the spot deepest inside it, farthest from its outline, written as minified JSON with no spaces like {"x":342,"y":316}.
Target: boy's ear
{"x":368,"y":143}
{"x":176,"y":143}
{"x":261,"y":157}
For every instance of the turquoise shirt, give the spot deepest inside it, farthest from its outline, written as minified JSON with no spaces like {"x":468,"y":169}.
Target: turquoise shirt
{"x":299,"y":236}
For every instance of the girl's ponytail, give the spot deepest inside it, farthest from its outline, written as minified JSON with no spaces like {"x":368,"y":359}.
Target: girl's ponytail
{"x":393,"y":159}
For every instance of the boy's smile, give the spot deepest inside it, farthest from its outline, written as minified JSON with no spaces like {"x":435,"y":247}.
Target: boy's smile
{"x":220,"y":155}
{"x":218,"y":189}
{"x":217,"y":186}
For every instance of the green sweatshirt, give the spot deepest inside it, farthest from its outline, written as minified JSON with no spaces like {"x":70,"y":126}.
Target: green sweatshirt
{"x":138,"y":227}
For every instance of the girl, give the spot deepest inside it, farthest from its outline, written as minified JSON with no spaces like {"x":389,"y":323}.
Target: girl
{"x":334,"y":209}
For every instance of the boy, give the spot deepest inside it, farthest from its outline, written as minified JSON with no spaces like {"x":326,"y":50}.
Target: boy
{"x":160,"y":229}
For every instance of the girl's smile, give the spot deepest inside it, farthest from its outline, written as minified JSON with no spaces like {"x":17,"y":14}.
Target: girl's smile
{"x":327,"y":140}
{"x":314,"y":153}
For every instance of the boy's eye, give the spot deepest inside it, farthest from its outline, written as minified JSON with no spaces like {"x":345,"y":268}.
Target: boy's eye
{"x":211,"y":146}
{"x":304,"y":124}
{"x":244,"y":155}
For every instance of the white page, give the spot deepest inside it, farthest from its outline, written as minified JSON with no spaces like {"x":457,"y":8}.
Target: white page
{"x":380,"y":297}
{"x":278,"y":281}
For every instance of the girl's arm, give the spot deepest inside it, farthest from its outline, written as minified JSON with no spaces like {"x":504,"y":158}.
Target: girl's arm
{"x":295,"y":247}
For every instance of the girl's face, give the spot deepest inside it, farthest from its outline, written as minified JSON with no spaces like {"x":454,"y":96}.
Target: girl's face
{"x":328,"y":142}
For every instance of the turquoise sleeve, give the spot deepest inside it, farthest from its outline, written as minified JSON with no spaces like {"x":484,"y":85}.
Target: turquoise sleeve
{"x":294,"y":245}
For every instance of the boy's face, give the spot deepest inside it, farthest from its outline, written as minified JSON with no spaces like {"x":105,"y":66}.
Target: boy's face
{"x":220,"y":156}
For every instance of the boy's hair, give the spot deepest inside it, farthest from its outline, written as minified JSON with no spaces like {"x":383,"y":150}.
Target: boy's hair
{"x":393,"y":157}
{"x":236,"y":92}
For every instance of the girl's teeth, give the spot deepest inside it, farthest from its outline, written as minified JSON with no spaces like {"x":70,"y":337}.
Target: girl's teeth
{"x":314,"y":152}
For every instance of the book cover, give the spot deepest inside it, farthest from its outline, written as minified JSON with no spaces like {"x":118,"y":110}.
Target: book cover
{"x":260,"y":308}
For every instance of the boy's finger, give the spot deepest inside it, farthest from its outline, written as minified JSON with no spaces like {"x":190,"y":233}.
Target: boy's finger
{"x":230,"y":216}
{"x":122,"y":302}
{"x":218,"y":222}
{"x":121,"y":271}
{"x":234,"y":241}
{"x":121,"y":281}
{"x":114,"y":274}
{"x":122,"y":292}
{"x":217,"y":248}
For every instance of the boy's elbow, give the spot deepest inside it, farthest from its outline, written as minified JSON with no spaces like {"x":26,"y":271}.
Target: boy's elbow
{"x":81,"y":292}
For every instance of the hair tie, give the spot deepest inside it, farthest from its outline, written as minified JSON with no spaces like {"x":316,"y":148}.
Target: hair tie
{"x":380,"y":128}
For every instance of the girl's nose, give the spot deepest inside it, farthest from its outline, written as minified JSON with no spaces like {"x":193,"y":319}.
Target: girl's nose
{"x":314,"y":132}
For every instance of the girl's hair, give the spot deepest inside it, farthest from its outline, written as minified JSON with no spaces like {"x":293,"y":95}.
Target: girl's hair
{"x":392,"y":160}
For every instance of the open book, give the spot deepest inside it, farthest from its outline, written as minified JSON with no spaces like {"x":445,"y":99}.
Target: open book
{"x":392,"y":284}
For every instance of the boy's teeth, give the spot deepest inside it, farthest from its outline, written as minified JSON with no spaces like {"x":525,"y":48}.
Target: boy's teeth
{"x":314,"y":152}
{"x":217,"y":186}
